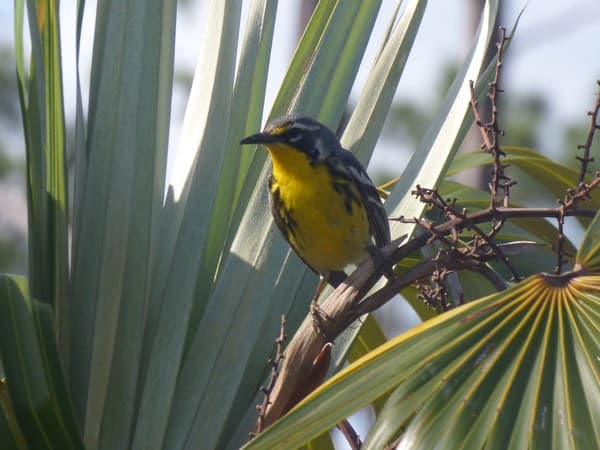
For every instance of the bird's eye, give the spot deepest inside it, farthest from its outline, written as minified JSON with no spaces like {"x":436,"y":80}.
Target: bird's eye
{"x":294,"y":137}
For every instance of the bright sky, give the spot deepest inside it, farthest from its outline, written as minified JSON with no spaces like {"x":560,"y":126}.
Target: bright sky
{"x":555,"y":51}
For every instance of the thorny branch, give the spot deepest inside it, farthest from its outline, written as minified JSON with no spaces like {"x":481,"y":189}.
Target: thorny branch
{"x":350,"y":434}
{"x":490,"y":132}
{"x":587,"y":147}
{"x":434,"y":292}
{"x":432,"y":198}
{"x":266,"y":390}
{"x":582,"y":190}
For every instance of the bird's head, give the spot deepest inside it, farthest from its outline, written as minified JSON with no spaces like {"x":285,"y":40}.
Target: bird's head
{"x":299,"y":133}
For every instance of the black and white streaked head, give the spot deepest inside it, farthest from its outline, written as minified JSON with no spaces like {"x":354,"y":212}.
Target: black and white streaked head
{"x":302,"y":133}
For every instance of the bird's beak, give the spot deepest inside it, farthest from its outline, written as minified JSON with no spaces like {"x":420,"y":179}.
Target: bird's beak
{"x":259,"y":138}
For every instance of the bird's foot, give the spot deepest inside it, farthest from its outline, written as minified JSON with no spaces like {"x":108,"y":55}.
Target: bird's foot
{"x":320,"y":321}
{"x":320,"y":317}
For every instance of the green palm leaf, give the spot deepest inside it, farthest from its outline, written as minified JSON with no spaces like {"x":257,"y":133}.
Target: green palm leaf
{"x":37,"y":391}
{"x":41,"y":98}
{"x":122,"y":183}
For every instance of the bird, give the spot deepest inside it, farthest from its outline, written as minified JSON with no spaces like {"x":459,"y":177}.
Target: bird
{"x":321,"y":198}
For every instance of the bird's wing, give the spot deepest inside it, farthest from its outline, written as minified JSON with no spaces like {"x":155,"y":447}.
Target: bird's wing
{"x":376,"y":213}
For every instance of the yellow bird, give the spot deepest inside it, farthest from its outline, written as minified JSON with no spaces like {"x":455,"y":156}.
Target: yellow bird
{"x":321,"y":197}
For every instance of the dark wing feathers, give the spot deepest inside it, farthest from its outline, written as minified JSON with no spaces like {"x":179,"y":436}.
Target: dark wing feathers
{"x":378,"y":220}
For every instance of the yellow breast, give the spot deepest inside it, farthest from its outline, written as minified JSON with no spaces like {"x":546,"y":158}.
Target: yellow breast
{"x":324,"y":221}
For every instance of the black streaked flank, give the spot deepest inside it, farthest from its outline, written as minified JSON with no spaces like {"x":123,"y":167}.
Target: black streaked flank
{"x":349,"y":194}
{"x":282,"y":215}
